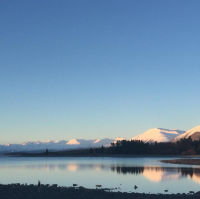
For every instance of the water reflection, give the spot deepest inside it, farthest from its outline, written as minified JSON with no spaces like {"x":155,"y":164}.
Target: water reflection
{"x":160,"y":175}
{"x":196,"y":177}
{"x":72,"y":167}
{"x":152,"y":173}
{"x":48,"y":167}
{"x":127,"y":170}
{"x":157,"y":174}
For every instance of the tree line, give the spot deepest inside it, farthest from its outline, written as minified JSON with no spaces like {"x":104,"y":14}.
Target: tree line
{"x":137,"y":147}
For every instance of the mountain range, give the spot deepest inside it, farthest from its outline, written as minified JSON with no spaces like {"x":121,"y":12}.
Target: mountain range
{"x":151,"y":136}
{"x":57,"y":145}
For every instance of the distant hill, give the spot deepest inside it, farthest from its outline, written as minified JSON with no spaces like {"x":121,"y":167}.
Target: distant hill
{"x":55,"y":145}
{"x":158,"y":135}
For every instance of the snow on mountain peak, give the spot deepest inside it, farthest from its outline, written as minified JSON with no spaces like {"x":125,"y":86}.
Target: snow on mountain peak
{"x":158,"y":135}
{"x":73,"y":142}
{"x":119,"y":139}
{"x":105,"y":142}
{"x":48,"y":141}
{"x":194,"y":133}
{"x":96,"y":140}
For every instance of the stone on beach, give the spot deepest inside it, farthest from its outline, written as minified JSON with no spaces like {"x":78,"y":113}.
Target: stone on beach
{"x":74,"y":185}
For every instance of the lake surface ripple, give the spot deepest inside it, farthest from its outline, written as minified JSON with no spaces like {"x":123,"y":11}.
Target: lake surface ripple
{"x":122,"y":174}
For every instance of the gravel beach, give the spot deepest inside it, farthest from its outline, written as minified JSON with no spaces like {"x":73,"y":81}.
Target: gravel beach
{"x":17,"y":191}
{"x":183,"y":161}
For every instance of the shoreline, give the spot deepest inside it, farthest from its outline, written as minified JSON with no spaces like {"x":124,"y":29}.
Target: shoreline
{"x":17,"y":191}
{"x":182,"y":161}
{"x":107,"y":156}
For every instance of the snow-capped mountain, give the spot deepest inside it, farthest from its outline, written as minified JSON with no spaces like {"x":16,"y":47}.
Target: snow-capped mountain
{"x":119,"y":139}
{"x":104,"y":142}
{"x":194,"y":133}
{"x":55,"y":145}
{"x":34,"y":146}
{"x":80,"y":142}
{"x":158,"y":135}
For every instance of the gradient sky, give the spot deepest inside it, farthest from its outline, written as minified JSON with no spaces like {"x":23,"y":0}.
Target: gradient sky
{"x":97,"y":68}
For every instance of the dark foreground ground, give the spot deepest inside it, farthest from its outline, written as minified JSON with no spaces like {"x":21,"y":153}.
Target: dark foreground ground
{"x":183,"y":161}
{"x":52,"y":192}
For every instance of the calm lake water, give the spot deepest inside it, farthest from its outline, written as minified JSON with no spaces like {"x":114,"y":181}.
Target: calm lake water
{"x":149,"y":174}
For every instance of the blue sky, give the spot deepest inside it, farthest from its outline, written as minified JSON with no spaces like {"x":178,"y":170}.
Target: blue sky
{"x":94,"y":69}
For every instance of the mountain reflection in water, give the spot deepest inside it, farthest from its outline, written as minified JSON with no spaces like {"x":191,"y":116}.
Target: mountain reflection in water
{"x":152,"y":173}
{"x":158,"y":174}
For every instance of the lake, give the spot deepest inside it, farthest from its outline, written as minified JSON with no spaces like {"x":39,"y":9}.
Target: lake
{"x":122,"y":174}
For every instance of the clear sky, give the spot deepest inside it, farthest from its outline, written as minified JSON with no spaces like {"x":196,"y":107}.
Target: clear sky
{"x":97,"y":68}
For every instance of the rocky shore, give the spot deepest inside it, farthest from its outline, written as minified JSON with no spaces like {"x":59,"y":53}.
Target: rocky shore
{"x":17,"y":191}
{"x":183,"y":161}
